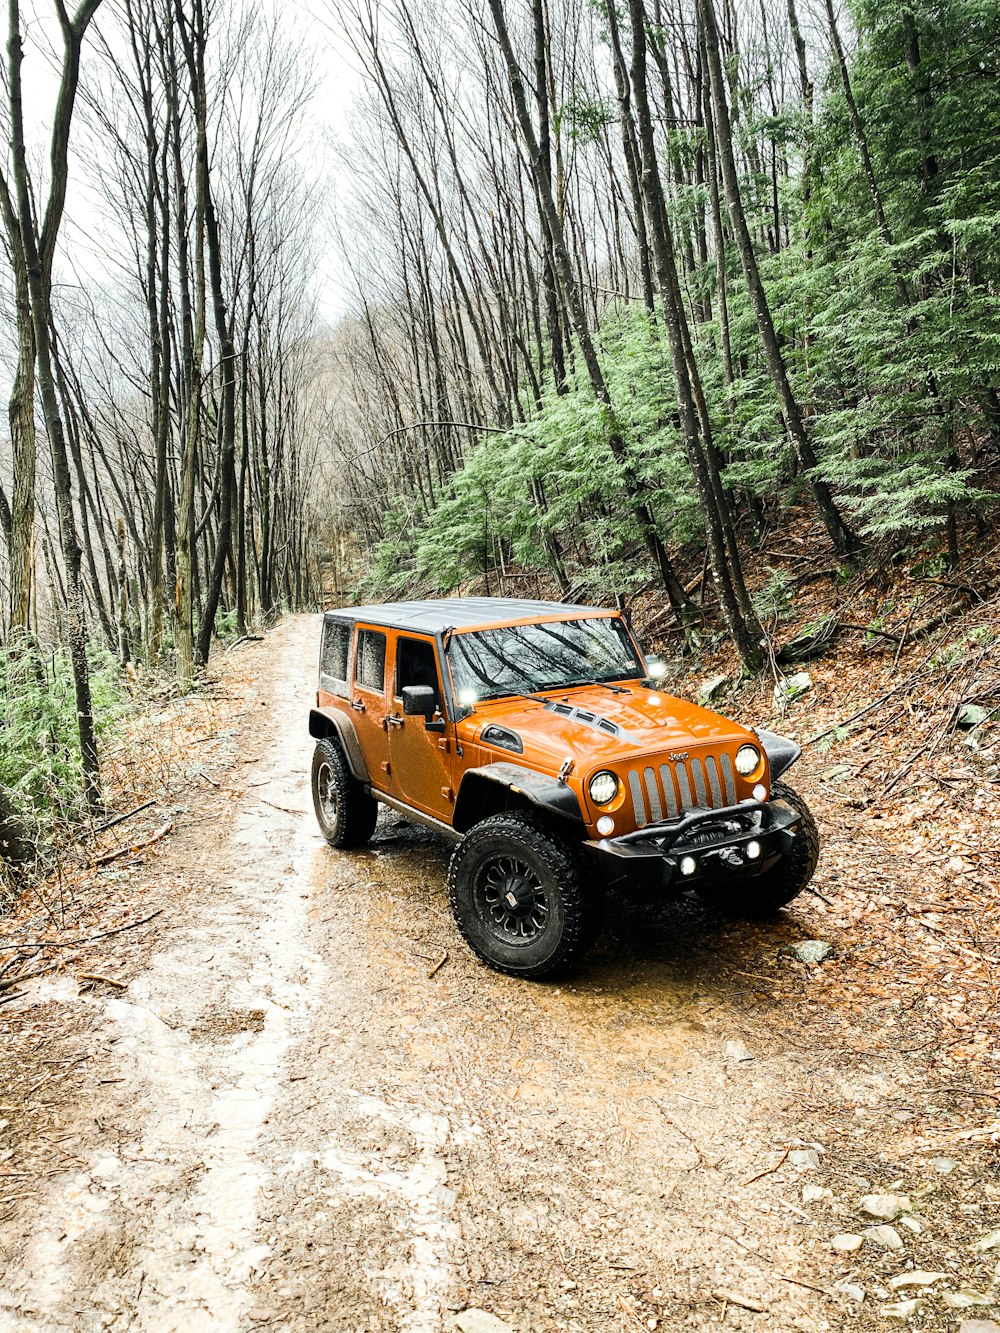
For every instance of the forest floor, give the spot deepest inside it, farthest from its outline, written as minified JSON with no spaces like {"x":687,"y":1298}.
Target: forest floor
{"x":284,"y":1095}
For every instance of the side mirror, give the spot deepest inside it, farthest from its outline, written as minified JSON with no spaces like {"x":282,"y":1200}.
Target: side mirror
{"x":656,"y":668}
{"x":418,"y":701}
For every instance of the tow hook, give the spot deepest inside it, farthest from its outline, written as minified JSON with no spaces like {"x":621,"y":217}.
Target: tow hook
{"x":730,"y":855}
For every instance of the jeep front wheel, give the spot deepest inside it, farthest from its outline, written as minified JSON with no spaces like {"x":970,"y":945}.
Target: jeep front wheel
{"x":521,"y":898}
{"x":346,"y":814}
{"x":766,"y":893}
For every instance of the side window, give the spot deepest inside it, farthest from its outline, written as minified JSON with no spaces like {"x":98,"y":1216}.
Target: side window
{"x":369,"y":666}
{"x":334,"y":656}
{"x":416,"y":664}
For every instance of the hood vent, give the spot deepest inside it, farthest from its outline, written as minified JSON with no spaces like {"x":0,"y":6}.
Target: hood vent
{"x":591,"y":720}
{"x":503,"y":738}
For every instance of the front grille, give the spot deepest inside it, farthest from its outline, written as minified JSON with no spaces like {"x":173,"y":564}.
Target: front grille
{"x":678,"y":787}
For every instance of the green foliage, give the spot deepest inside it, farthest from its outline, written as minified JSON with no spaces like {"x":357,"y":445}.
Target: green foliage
{"x":892,"y":346}
{"x":554,"y":481}
{"x":225,"y":626}
{"x":584,"y":118}
{"x":832,"y":737}
{"x":39,"y":744}
{"x":774,"y":600}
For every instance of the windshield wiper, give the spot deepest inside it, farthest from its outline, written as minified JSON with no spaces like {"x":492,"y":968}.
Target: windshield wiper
{"x":517,"y":694}
{"x":605,"y":685}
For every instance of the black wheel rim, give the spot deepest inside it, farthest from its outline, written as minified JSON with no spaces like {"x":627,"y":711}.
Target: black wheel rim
{"x":510,"y":901}
{"x":326,"y":793}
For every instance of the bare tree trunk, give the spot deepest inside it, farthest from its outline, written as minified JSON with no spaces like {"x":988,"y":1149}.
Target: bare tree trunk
{"x":37,"y":253}
{"x":578,"y":319}
{"x":841,"y":535}
{"x":192,"y":34}
{"x":723,"y":552}
{"x":861,"y":140}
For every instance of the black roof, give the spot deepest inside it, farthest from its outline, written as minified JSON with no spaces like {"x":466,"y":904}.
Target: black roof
{"x":440,"y":613}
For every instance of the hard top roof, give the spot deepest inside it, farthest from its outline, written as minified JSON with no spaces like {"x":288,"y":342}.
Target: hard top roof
{"x":440,"y":613}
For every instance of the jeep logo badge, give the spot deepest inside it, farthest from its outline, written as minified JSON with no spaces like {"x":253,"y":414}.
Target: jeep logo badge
{"x":677,"y":756}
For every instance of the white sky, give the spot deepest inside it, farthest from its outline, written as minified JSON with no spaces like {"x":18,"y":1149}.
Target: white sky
{"x":80,"y":242}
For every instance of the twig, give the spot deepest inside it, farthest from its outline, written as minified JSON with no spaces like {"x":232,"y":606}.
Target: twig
{"x":702,"y":1161}
{"x":438,"y":965}
{"x":745,"y":1302}
{"x":103,"y":859}
{"x":120,"y":819}
{"x":797,"y":1281}
{"x":285,"y":809}
{"x":867,"y":708}
{"x":84,"y":939}
{"x":868,"y":629}
{"x":26,"y":976}
{"x":96,"y":976}
{"x":769,"y":1170}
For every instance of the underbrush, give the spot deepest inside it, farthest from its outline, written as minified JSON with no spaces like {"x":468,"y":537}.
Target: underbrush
{"x":41,"y":776}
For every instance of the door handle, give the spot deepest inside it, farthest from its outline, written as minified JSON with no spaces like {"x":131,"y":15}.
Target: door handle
{"x":358,"y":706}
{"x":394,"y":720}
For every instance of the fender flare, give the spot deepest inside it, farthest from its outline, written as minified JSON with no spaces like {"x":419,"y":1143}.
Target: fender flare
{"x":781,"y":752}
{"x":326,"y":722}
{"x":481,"y":787}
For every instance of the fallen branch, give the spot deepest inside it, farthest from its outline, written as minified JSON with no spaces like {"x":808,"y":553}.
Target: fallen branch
{"x":869,"y":629}
{"x":105,"y":857}
{"x":866,"y":708}
{"x":25,"y":976}
{"x":88,"y":939}
{"x":744,"y":1302}
{"x":120,"y":819}
{"x":96,"y":976}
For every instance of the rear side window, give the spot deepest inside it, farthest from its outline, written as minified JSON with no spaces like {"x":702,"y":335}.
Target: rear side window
{"x":334,"y":655}
{"x":369,"y":668}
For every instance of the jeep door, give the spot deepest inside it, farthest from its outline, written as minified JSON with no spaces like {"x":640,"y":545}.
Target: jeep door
{"x":419,"y":759}
{"x":368,"y":701}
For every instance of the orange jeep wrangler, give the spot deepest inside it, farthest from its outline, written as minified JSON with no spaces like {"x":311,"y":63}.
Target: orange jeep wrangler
{"x":535,"y":736}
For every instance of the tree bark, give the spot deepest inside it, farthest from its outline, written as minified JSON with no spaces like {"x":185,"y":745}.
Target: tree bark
{"x":577,"y":317}
{"x":843,"y":539}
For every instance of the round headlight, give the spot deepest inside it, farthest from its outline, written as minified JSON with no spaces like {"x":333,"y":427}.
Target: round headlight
{"x":747,"y":760}
{"x":603,"y":787}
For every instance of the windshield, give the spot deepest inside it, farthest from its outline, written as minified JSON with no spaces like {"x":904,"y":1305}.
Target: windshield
{"x":521,"y":659}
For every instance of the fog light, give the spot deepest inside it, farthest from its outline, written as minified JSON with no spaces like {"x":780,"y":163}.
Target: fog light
{"x":752,"y":851}
{"x":760,"y":792}
{"x":605,"y":825}
{"x":688,"y":865}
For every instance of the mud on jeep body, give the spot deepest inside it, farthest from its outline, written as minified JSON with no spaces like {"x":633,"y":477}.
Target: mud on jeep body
{"x":534,"y":735}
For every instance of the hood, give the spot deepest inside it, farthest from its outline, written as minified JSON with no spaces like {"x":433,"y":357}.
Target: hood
{"x":600,"y":727}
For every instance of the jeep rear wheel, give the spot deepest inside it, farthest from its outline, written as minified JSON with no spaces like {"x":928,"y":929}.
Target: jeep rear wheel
{"x":521,"y":898}
{"x":346,"y":814}
{"x":772,"y":890}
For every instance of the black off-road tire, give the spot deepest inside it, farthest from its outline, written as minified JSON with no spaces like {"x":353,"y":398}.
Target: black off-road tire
{"x":346,"y":814}
{"x":775,"y":888}
{"x":521,"y":852}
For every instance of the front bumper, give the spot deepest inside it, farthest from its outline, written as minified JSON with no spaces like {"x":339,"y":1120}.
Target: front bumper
{"x":716,"y":841}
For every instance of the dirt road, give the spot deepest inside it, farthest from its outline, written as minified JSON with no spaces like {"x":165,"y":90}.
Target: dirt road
{"x":311,"y":1108}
